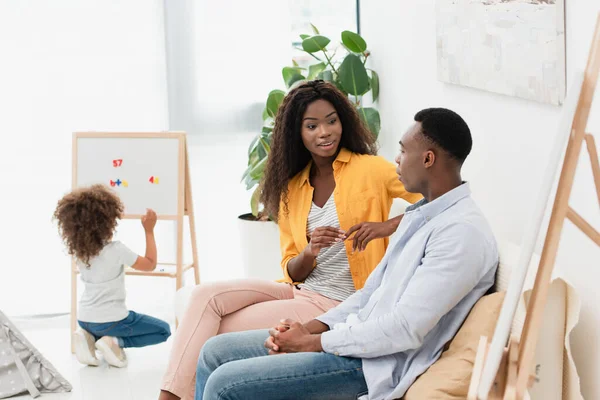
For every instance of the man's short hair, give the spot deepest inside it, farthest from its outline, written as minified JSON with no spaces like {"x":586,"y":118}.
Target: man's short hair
{"x":446,"y":129}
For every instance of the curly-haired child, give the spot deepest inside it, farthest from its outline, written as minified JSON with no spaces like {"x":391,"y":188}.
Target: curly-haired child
{"x":87,"y":218}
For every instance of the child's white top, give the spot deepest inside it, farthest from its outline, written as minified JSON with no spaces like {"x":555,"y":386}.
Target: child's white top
{"x":103,"y":299}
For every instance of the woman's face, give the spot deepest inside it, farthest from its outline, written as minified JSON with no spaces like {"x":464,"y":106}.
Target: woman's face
{"x":321,"y":129}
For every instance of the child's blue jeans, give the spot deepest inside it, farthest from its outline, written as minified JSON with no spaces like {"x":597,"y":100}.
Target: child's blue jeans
{"x":137,"y":330}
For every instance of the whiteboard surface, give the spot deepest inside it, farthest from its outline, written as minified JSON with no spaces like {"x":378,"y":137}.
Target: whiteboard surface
{"x":142,"y":158}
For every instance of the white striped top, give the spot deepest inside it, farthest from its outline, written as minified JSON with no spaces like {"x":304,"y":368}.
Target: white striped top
{"x":331,"y":277}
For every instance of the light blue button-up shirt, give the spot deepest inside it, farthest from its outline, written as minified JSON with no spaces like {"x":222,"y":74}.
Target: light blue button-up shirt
{"x":441,"y":260}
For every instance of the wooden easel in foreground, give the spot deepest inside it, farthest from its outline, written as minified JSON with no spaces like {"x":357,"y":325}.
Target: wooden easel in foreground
{"x":514,"y":375}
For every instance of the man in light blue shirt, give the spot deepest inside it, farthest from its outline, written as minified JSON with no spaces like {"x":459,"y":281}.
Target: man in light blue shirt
{"x":440,"y":261}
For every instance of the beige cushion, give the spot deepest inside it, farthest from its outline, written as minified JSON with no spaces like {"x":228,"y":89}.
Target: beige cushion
{"x":449,"y":377}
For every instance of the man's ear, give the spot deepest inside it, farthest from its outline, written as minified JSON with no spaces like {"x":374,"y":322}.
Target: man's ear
{"x":428,"y":159}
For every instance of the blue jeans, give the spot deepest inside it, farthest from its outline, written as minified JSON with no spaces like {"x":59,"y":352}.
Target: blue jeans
{"x":137,"y":330}
{"x":237,"y":366}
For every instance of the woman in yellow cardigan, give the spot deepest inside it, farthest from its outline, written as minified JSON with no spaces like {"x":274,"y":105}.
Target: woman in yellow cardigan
{"x":332,"y":196}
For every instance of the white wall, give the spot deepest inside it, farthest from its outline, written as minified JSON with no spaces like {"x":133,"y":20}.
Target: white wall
{"x":512,"y":142}
{"x":223,"y":58}
{"x":65,"y":66}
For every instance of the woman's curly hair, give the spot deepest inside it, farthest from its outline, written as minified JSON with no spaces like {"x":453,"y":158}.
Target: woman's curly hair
{"x":87,"y":219}
{"x":289,"y":156}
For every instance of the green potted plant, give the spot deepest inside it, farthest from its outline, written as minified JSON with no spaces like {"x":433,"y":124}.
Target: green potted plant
{"x":348,"y":71}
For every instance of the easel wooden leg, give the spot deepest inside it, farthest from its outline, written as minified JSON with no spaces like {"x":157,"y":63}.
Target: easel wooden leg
{"x":189,"y":204}
{"x":499,"y":389}
{"x":583,"y":225}
{"x":73,"y":302}
{"x":542,"y":280}
{"x":591,"y":146}
{"x":181,"y":200}
{"x":510,"y":393}
{"x":179,"y":273}
{"x":194,"y":248}
{"x":478,"y":367}
{"x":179,"y":262}
{"x":573,"y":216}
{"x":560,"y":210}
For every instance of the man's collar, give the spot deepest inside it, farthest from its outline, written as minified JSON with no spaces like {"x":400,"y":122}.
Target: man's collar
{"x":442,"y":203}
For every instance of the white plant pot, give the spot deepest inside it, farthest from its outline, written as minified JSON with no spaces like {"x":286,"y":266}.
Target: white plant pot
{"x":261,"y":255}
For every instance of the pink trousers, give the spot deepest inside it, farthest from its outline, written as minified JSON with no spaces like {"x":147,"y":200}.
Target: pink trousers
{"x":233,"y":306}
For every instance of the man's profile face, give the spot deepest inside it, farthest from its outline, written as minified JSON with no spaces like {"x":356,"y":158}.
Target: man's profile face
{"x":411,"y":159}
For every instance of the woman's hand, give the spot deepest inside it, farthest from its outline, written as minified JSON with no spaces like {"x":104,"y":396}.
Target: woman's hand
{"x":323,"y":237}
{"x":367,"y":231}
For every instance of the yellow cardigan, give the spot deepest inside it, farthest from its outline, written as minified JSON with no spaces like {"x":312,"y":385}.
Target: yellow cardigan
{"x":365,"y":187}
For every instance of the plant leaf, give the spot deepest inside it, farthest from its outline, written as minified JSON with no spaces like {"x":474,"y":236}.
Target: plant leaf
{"x":264,"y":146}
{"x":315,"y":30}
{"x":262,"y":149}
{"x":274,"y":101}
{"x":315,"y":70}
{"x":326,"y":75}
{"x":338,"y":84}
{"x":371,"y":117}
{"x":295,"y":63}
{"x":257,"y":171}
{"x":314,"y":44}
{"x":246,"y":173}
{"x":254,"y":200}
{"x":297,"y":83}
{"x":250,"y":182}
{"x":254,"y":158}
{"x":265,"y":115}
{"x":304,"y":36}
{"x":354,"y":42}
{"x":269,"y":122}
{"x":252,"y":145}
{"x":374,"y":85}
{"x":353,"y":76}
{"x":291,"y":75}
